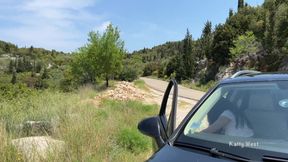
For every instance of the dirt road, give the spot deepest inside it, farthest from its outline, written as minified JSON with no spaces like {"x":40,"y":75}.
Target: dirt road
{"x":187,"y":98}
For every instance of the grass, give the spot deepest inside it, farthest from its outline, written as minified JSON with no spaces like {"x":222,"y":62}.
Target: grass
{"x":103,"y":132}
{"x":141,"y":85}
{"x":197,"y":86}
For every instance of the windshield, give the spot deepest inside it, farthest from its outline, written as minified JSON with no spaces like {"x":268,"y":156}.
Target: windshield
{"x":239,"y":117}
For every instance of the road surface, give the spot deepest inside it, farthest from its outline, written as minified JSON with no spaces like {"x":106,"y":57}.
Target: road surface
{"x":187,"y":98}
{"x":183,"y":92}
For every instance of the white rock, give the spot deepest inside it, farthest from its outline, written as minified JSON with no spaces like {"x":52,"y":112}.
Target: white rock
{"x":38,"y":148}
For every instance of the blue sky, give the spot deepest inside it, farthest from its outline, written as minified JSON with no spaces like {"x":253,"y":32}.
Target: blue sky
{"x":64,"y":24}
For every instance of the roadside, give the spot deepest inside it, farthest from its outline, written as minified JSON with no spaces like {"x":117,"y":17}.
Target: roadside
{"x":160,"y":85}
{"x":147,"y":94}
{"x":187,"y":98}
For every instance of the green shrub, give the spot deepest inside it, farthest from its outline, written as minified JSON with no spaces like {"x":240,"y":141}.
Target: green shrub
{"x":128,"y":74}
{"x":132,"y":140}
{"x":10,"y":91}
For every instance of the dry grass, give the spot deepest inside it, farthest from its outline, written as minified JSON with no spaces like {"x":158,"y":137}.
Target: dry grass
{"x":90,"y":133}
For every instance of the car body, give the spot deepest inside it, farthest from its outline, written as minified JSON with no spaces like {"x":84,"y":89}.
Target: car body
{"x":257,"y":101}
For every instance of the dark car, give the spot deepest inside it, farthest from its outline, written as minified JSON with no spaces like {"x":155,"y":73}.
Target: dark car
{"x":244,"y":118}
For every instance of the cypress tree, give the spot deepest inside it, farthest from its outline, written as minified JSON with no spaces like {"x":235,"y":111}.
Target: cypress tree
{"x":11,"y":66}
{"x":45,"y":74}
{"x":14,"y":79}
{"x":230,"y":13}
{"x":240,"y":4}
{"x":188,"y":59}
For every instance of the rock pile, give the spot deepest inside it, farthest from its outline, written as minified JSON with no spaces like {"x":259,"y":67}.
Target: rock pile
{"x":124,"y":91}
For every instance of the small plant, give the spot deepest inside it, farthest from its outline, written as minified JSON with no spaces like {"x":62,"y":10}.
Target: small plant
{"x":132,"y":140}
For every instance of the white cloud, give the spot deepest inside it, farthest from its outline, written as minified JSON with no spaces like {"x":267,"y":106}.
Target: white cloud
{"x":52,"y":24}
{"x":102,"y":27}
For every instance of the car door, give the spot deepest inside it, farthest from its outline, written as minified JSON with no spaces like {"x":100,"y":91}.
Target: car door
{"x":161,"y":127}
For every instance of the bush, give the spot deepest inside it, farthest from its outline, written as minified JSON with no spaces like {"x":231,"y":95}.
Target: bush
{"x":128,"y":74}
{"x":10,"y":91}
{"x":132,"y":140}
{"x":150,"y":68}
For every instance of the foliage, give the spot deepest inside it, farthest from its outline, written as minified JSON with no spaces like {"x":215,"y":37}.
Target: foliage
{"x":14,"y":79}
{"x":91,"y":132}
{"x":102,"y":56}
{"x":131,"y":140}
{"x":244,"y":44}
{"x":188,"y":57}
{"x":132,"y":68}
{"x":14,"y":91}
{"x":141,"y":84}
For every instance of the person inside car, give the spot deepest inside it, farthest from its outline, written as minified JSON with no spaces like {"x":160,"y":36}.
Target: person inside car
{"x":229,"y":119}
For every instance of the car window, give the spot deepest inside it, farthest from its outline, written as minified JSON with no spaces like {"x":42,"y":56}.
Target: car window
{"x":250,"y":115}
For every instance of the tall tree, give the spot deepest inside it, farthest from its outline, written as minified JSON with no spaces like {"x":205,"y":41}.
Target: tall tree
{"x":240,"y":4}
{"x":206,"y":40}
{"x":188,"y":58}
{"x":14,"y":79}
{"x":230,"y":13}
{"x":102,"y":56}
{"x":11,"y":66}
{"x":111,"y":55}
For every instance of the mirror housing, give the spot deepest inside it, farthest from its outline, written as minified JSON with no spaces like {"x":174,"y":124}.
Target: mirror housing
{"x":150,"y":127}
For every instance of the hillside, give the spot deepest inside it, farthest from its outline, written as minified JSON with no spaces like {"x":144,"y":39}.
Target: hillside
{"x":34,"y":67}
{"x":251,"y":38}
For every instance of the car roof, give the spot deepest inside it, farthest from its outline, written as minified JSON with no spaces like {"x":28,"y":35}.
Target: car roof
{"x":260,"y":77}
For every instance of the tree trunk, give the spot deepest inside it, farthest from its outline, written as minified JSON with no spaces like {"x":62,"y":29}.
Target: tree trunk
{"x":107,"y":81}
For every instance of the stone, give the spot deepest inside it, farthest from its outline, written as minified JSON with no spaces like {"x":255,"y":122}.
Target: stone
{"x":38,"y":148}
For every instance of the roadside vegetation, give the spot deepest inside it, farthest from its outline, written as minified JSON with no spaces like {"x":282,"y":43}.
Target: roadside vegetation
{"x":141,"y":85}
{"x":104,"y":132}
{"x":49,"y":86}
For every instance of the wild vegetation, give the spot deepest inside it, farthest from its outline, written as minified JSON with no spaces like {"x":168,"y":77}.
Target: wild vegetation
{"x":251,"y":38}
{"x":47,"y":85}
{"x":91,"y":132}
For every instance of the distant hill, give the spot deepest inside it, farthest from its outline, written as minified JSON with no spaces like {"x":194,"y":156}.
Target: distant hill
{"x":250,"y":38}
{"x":10,"y":51}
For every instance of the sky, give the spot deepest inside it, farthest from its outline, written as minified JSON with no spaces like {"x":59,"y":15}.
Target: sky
{"x":64,"y":24}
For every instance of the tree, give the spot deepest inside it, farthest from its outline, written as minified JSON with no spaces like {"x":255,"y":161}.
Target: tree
{"x":112,"y":50}
{"x":102,"y":56}
{"x":230,"y":13}
{"x":45,"y":74}
{"x":240,"y":4}
{"x":206,"y":40}
{"x":188,"y":58}
{"x":281,"y":25}
{"x":14,"y":79}
{"x":244,"y":44}
{"x":11,"y":66}
{"x":38,"y":67}
{"x":222,"y":41}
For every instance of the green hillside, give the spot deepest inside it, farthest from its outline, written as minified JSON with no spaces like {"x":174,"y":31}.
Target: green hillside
{"x":251,"y":38}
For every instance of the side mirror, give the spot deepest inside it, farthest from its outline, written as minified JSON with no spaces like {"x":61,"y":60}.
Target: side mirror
{"x":151,"y":127}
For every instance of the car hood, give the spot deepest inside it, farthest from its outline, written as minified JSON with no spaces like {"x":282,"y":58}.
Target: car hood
{"x":171,"y":154}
